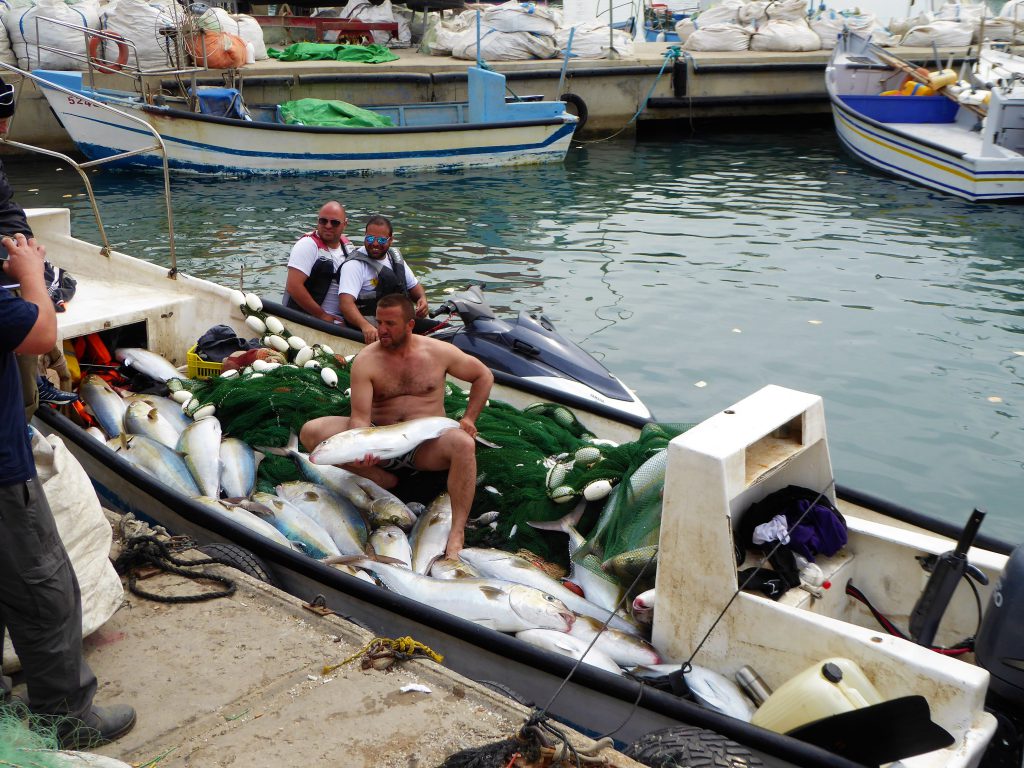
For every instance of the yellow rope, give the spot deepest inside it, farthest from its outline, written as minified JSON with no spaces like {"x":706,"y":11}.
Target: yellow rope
{"x":402,"y":645}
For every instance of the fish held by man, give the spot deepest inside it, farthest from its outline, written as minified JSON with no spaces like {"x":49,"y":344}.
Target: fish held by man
{"x":387,"y":442}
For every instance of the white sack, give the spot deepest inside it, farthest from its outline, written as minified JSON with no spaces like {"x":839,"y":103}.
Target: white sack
{"x":250,"y":30}
{"x":685,"y":28}
{"x":445,"y":36}
{"x":753,"y":13}
{"x":504,"y":46}
{"x":520,"y":17}
{"x":363,"y":10}
{"x":216,"y":19}
{"x":785,"y":35}
{"x":725,"y":12}
{"x":794,"y":10}
{"x":591,"y":41}
{"x":84,"y":530}
{"x":941,"y":33}
{"x":719,"y":37}
{"x":139,"y":22}
{"x":6,"y":52}
{"x":999,"y":28}
{"x":21,"y":26}
{"x":900,"y":27}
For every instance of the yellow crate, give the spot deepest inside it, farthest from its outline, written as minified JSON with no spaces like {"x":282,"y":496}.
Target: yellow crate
{"x":202,"y":369}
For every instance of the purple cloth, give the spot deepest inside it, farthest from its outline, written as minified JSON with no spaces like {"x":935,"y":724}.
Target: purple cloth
{"x":820,"y":531}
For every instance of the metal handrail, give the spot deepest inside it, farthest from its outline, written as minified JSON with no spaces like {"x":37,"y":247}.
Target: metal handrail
{"x":158,"y":146}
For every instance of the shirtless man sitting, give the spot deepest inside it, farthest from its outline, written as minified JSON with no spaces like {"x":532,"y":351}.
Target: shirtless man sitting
{"x":401,"y":377}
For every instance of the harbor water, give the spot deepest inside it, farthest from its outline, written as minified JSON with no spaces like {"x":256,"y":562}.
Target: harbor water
{"x":698,"y":270}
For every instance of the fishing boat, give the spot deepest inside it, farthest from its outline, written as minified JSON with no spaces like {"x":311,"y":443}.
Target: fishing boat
{"x":715,"y":471}
{"x":948,"y":139}
{"x":212,"y":131}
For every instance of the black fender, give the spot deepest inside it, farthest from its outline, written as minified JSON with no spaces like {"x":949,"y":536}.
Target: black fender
{"x":581,"y":109}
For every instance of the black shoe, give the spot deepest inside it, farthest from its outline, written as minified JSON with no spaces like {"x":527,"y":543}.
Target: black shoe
{"x":100,"y":726}
{"x":49,"y":394}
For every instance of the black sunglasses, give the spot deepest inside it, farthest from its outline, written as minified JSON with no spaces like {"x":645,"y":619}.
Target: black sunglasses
{"x":333,"y":222}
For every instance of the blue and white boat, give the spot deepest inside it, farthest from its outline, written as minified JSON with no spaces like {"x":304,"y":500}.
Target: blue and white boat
{"x":241,"y":139}
{"x":952,"y":141}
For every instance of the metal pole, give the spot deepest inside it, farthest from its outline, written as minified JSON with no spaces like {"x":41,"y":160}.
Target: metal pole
{"x":611,"y":29}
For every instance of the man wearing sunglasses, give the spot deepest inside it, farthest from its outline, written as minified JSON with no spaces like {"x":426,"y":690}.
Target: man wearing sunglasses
{"x":372,"y":271}
{"x":314,"y":264}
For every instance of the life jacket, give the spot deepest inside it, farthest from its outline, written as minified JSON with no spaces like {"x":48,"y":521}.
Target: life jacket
{"x":322,"y":275}
{"x":388,"y":281}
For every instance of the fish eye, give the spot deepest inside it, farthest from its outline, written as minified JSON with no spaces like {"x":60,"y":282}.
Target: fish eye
{"x":549,"y":598}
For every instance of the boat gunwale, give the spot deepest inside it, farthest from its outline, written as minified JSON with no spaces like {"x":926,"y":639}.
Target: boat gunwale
{"x":403,"y":608}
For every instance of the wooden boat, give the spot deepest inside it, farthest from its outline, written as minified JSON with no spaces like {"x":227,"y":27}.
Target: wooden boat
{"x":238,"y":139}
{"x":772,"y":439}
{"x":941,"y":141}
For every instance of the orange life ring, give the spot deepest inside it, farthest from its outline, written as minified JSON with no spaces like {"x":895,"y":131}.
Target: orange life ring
{"x":107,"y":66}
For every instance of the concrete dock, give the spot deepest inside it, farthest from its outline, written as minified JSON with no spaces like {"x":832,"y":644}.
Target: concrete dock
{"x":239,"y":681}
{"x":735,"y":86}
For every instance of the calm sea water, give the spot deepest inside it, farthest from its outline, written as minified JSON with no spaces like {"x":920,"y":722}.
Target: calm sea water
{"x":698,"y":270}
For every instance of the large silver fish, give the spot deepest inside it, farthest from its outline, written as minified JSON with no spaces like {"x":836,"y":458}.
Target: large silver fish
{"x":149,"y":363}
{"x":623,"y":648}
{"x":492,"y":603}
{"x":335,"y":515}
{"x":567,"y":645}
{"x":453,"y":569}
{"x":504,"y":565}
{"x":141,"y":418}
{"x":245,"y":518}
{"x":169,"y":409}
{"x":709,"y":688}
{"x":237,"y":468}
{"x":296,"y":525}
{"x":429,"y":537}
{"x":384,"y":442}
{"x":391,"y":541}
{"x":381,"y":506}
{"x":643,"y":607}
{"x":157,"y":459}
{"x":199,"y":443}
{"x":585,"y":569}
{"x":104,"y":403}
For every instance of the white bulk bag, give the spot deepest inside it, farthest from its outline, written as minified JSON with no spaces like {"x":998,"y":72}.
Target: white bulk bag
{"x":250,"y":30}
{"x":363,"y":10}
{"x":785,"y":35}
{"x":21,"y":26}
{"x":504,"y":46}
{"x":6,"y":53}
{"x":719,"y":37}
{"x":139,"y":22}
{"x":83,"y":529}
{"x":446,"y":36}
{"x":591,"y":41}
{"x":793,"y":10}
{"x":940,"y":32}
{"x":520,"y":17}
{"x":753,"y":13}
{"x":685,"y":28}
{"x":725,"y":12}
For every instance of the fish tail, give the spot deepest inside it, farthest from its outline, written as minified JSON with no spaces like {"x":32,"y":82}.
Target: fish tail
{"x":563,"y":524}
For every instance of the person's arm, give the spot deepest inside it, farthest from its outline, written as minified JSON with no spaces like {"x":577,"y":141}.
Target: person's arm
{"x":416,"y":292}
{"x":12,"y":215}
{"x":479,"y":378}
{"x":25,"y":265}
{"x":350,"y":281}
{"x":296,"y":288}
{"x":361,"y":399}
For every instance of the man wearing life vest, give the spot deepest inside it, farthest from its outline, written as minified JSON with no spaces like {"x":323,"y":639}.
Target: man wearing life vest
{"x":314,"y":264}
{"x":375,"y":270}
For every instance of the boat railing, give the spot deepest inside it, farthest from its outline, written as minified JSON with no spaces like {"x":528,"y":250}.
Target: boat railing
{"x":82,"y":167}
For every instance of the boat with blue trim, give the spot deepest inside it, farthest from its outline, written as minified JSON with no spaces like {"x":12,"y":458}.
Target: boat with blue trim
{"x":958,"y":137}
{"x":211,"y":131}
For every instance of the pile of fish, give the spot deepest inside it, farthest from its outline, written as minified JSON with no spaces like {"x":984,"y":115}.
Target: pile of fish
{"x":353,"y":524}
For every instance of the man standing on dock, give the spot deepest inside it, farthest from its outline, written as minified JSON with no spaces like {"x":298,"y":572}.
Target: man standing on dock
{"x":40,"y":601}
{"x":314,"y":265}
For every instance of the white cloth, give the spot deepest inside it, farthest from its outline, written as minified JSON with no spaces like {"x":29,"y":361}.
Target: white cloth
{"x":776,"y":529}
{"x":359,"y":277}
{"x":305,"y":254}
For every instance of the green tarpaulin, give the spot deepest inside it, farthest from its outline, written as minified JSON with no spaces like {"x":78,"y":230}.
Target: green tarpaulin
{"x":334,"y":114}
{"x":367,"y":54}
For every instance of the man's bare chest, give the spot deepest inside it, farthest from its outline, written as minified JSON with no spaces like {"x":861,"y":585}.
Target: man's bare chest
{"x":415,"y":379}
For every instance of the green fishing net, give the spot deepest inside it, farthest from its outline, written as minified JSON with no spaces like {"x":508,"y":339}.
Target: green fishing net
{"x":546,"y":463}
{"x":27,"y":747}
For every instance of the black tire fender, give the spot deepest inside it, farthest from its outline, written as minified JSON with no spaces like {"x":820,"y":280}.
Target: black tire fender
{"x":687,"y":746}
{"x":581,"y":109}
{"x":241,"y":559}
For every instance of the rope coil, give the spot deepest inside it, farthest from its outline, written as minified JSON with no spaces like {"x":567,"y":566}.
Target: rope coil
{"x":142,"y":551}
{"x":389,"y":650}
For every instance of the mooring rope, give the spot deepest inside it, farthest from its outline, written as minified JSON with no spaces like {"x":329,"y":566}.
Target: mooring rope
{"x":141,"y":551}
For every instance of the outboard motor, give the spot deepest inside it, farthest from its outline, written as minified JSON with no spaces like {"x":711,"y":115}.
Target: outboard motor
{"x":999,"y":646}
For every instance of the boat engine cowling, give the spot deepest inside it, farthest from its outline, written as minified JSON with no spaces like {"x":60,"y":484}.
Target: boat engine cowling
{"x":999,"y":646}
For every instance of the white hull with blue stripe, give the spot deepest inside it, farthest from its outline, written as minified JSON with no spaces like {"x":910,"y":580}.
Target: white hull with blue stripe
{"x":974,"y":153}
{"x":483,"y":132}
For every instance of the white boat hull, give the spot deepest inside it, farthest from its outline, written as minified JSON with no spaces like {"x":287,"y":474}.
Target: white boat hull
{"x":203,"y":145}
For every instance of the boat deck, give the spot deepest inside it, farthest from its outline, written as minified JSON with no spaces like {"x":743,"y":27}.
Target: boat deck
{"x":239,"y":681}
